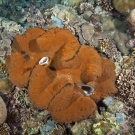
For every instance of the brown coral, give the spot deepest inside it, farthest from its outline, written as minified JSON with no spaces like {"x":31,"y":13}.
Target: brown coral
{"x":61,"y":76}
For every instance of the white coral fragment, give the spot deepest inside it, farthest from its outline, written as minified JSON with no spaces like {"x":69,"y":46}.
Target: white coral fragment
{"x":44,"y":61}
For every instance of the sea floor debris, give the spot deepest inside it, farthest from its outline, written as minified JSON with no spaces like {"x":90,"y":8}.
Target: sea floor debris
{"x":95,"y":23}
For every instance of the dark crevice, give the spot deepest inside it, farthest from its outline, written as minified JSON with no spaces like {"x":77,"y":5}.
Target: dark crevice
{"x":101,"y":106}
{"x":52,"y":68}
{"x":30,"y":74}
{"x":58,"y":93}
{"x":74,"y":55}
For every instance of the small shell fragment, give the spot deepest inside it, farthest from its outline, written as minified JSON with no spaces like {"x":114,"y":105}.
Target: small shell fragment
{"x":88,"y":90}
{"x":44,"y":61}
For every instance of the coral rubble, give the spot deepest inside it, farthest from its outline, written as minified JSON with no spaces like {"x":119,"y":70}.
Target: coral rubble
{"x":61,"y":75}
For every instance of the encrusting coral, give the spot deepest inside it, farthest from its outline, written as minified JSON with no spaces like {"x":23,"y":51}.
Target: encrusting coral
{"x":61,"y":75}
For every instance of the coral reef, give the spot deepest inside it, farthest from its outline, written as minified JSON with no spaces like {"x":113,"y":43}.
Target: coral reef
{"x":85,"y":6}
{"x":106,"y":4}
{"x":48,"y":128}
{"x":82,"y":128}
{"x":65,"y":13}
{"x":110,"y":49}
{"x":3,"y":71}
{"x":116,"y":30}
{"x":124,"y":6}
{"x":56,"y":21}
{"x":132,"y":43}
{"x":125,"y":83}
{"x":109,"y":125}
{"x":9,"y":25}
{"x":4,"y":129}
{"x":110,"y":121}
{"x":57,"y":69}
{"x":6,"y":46}
{"x":19,"y":10}
{"x":36,"y":19}
{"x":5,"y":86}
{"x":87,"y":31}
{"x":21,"y":98}
{"x":32,"y":120}
{"x":59,"y":130}
{"x":130,"y":21}
{"x":51,"y":128}
{"x":71,"y":3}
{"x":103,"y":44}
{"x":22,"y":117}
{"x":133,"y":53}
{"x":97,"y":24}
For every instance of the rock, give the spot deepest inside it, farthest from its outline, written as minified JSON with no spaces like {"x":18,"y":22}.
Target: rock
{"x":3,"y":111}
{"x":131,"y":21}
{"x":87,"y":31}
{"x":48,"y":128}
{"x":56,"y":21}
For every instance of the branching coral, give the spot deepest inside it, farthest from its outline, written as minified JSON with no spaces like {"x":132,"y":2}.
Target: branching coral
{"x":111,"y":51}
{"x":85,"y":6}
{"x":60,"y":73}
{"x":126,"y":86}
{"x":105,"y":4}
